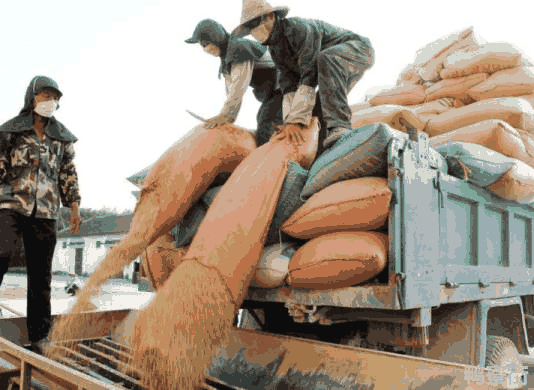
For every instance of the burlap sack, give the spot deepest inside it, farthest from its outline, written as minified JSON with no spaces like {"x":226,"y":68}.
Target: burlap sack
{"x":409,"y":76}
{"x":529,"y":98}
{"x":496,"y":135}
{"x":350,"y":205}
{"x":444,"y":46}
{"x":203,"y":294}
{"x":338,"y":260}
{"x":400,"y":95}
{"x":288,"y":201}
{"x":429,"y":61}
{"x":488,"y":58}
{"x":361,"y":153}
{"x":509,"y":82}
{"x":431,"y":70}
{"x":436,"y":107}
{"x":246,"y":206}
{"x":503,"y":176}
{"x":516,"y":112}
{"x":274,"y":265}
{"x":160,"y":259}
{"x":454,"y":88}
{"x":390,"y":114}
{"x":517,"y":184}
{"x":360,"y":106}
{"x":184,"y":231}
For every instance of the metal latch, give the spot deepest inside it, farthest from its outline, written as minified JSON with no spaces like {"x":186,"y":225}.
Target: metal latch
{"x":437,"y":185}
{"x":419,"y":143}
{"x":451,"y":285}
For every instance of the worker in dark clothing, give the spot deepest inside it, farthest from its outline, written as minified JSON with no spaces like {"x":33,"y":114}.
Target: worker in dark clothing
{"x":244,"y":63}
{"x":310,"y":53}
{"x":36,"y":172}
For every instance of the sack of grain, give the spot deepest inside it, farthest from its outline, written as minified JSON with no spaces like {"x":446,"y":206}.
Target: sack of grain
{"x":430,"y":60}
{"x":400,"y":95}
{"x":509,"y":82}
{"x":184,"y":231}
{"x":274,"y":264}
{"x":338,"y":260}
{"x":517,"y":112}
{"x":488,"y":58}
{"x":454,"y":88}
{"x":437,"y":106}
{"x":505,"y":177}
{"x":288,"y":201}
{"x":529,"y":98}
{"x":409,"y":76}
{"x":359,"y":154}
{"x":160,"y":259}
{"x":393,"y":115}
{"x":350,"y":205}
{"x":360,"y":106}
{"x":496,"y":135}
{"x":444,"y":46}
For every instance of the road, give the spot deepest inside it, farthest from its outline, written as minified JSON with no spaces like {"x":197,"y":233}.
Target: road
{"x":116,"y":294}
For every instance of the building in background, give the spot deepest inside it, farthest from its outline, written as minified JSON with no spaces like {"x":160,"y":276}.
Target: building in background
{"x":80,"y":253}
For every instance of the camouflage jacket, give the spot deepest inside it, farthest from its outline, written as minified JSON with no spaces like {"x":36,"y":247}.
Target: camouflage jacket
{"x":36,"y":174}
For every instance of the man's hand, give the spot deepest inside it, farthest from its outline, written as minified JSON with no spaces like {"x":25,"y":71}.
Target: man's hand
{"x":291,"y":132}
{"x":75,"y":218}
{"x":216,"y":121}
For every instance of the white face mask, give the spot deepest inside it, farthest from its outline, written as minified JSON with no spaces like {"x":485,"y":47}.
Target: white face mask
{"x":46,"y":108}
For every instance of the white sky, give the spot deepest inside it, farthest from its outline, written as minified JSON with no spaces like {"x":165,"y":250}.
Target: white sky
{"x":127,"y":75}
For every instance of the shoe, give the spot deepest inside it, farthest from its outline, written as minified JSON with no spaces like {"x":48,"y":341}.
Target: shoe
{"x":335,"y":134}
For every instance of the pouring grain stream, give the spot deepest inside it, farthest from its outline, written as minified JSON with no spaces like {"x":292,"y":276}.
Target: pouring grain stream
{"x":179,"y":333}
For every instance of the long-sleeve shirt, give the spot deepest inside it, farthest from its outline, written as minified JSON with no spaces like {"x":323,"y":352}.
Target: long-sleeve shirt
{"x":295,"y":45}
{"x":36,"y":174}
{"x":236,"y":84}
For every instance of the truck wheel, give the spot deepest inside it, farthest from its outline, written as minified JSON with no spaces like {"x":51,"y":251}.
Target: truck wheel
{"x":502,"y":353}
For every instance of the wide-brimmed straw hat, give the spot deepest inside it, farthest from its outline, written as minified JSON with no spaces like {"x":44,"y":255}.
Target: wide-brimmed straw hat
{"x":253,"y":9}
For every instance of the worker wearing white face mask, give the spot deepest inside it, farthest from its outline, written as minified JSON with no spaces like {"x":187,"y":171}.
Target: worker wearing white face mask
{"x":46,"y":108}
{"x":37,"y":173}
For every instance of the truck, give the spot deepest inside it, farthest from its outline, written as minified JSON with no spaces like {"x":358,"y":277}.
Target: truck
{"x":453,"y":309}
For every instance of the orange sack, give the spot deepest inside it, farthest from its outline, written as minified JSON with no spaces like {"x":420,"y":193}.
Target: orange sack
{"x":429,"y":110}
{"x":454,"y":88}
{"x":393,"y":115}
{"x":360,"y":106}
{"x":409,"y":76}
{"x":488,"y":58}
{"x":400,"y":95}
{"x":429,"y":68}
{"x":179,"y":177}
{"x":350,"y":205}
{"x":179,"y":333}
{"x":509,"y":82}
{"x":338,"y":260}
{"x":516,"y":112}
{"x":161,"y":258}
{"x":496,"y":135}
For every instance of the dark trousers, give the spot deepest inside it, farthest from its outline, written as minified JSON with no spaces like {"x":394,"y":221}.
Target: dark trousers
{"x":269,"y":114}
{"x":39,"y":238}
{"x":340,"y":67}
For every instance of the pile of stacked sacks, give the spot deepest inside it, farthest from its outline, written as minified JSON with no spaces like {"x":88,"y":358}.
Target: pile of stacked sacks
{"x":475,"y":102}
{"x":330,"y":226}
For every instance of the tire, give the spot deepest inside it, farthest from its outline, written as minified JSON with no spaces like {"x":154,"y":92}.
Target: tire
{"x":501,"y":352}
